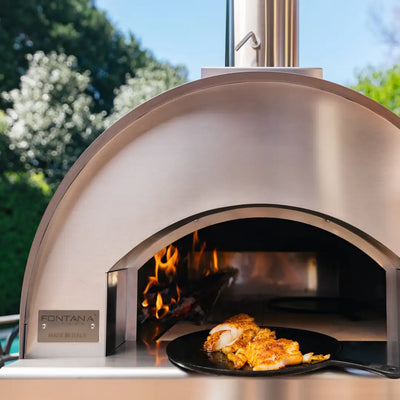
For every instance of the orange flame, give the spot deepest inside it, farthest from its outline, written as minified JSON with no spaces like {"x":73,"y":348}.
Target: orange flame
{"x":178,"y":296}
{"x":165,"y":270}
{"x":166,"y":261}
{"x":178,"y":292}
{"x":161,"y":308}
{"x":197,"y":255}
{"x":152,"y":281}
{"x":214,"y":264}
{"x":169,"y":265}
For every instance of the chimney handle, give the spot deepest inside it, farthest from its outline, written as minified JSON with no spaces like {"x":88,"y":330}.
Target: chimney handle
{"x":255,"y":41}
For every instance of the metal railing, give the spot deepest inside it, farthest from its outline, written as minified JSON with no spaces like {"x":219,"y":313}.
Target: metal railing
{"x":5,"y":355}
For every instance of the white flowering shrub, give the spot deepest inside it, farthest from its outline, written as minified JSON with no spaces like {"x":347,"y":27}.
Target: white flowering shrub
{"x":147,"y":83}
{"x":51,"y":119}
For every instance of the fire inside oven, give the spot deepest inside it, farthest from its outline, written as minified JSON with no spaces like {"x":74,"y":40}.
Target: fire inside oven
{"x":282,"y":272}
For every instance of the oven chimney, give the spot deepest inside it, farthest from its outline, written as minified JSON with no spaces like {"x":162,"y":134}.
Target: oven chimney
{"x":262,"y":33}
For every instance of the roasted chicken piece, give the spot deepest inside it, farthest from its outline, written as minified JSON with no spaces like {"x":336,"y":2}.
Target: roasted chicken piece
{"x":237,"y":352}
{"x":270,"y":354}
{"x":264,"y":353}
{"x":224,"y":336}
{"x":243,"y":342}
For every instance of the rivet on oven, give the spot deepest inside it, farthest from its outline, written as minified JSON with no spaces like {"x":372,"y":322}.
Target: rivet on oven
{"x":92,"y":326}
{"x":43,"y":326}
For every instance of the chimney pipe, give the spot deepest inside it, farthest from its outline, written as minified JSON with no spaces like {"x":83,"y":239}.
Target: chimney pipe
{"x":262,"y":33}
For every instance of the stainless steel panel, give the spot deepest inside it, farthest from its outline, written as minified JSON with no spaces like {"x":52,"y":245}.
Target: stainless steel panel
{"x":131,"y":360}
{"x":206,"y":72}
{"x":265,"y":33}
{"x":116,"y":308}
{"x":327,"y":387}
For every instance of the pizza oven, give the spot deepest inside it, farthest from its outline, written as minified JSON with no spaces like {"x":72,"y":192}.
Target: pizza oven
{"x":262,"y":190}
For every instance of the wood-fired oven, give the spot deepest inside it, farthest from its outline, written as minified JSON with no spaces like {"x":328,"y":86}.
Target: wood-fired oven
{"x":277,"y":193}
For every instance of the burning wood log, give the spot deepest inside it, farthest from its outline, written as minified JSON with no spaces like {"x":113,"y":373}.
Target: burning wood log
{"x":170,"y":296}
{"x":197,"y":299}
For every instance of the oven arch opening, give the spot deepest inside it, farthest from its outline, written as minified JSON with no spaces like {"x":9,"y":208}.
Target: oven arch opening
{"x":122,"y":321}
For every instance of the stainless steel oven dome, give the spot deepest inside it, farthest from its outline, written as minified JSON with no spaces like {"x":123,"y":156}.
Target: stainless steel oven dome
{"x":231,"y":146}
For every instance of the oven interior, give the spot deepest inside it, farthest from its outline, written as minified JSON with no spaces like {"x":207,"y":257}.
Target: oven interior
{"x":282,"y":272}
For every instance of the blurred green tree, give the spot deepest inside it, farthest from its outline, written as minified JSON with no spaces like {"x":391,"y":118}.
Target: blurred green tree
{"x":9,"y":160}
{"x":147,"y":83}
{"x":383,"y":86}
{"x":23,"y":199}
{"x":51,"y":122}
{"x":73,"y":27}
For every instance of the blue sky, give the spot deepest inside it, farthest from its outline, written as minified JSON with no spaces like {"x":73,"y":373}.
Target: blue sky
{"x":337,"y":35}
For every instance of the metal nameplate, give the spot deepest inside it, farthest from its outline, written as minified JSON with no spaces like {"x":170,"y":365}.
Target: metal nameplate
{"x":68,"y":326}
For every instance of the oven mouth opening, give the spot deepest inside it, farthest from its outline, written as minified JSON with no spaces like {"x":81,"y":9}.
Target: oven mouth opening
{"x":265,"y":267}
{"x":283,"y":271}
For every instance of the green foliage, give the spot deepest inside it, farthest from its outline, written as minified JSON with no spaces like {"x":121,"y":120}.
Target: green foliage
{"x":3,"y":122}
{"x":147,"y":83}
{"x":23,"y":200}
{"x":381,"y":86}
{"x":51,"y":121}
{"x":9,"y":160}
{"x":74,"y":27}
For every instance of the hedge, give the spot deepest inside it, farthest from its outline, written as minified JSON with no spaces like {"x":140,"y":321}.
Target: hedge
{"x":23,"y":199}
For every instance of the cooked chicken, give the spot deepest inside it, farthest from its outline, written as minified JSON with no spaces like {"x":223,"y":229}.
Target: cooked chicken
{"x":311,"y":358}
{"x":244,"y":342}
{"x":270,"y":354}
{"x":265,"y":334}
{"x":223,"y":336}
{"x":236,"y":353}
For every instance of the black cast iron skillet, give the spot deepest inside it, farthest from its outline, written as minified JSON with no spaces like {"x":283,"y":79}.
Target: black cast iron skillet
{"x":187,"y":353}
